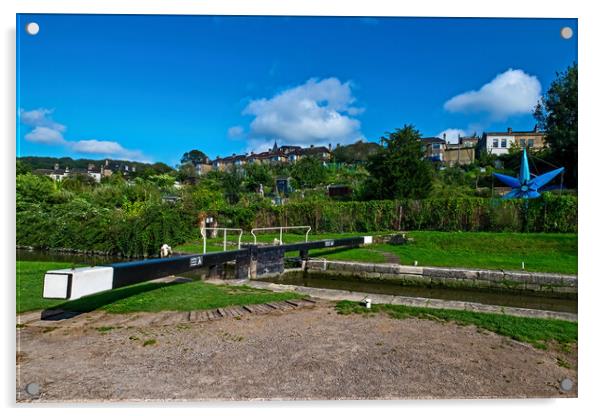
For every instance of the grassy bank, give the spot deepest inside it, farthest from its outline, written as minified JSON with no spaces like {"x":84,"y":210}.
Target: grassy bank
{"x":541,"y":252}
{"x":532,"y":330}
{"x":216,"y":244}
{"x":143,"y":297}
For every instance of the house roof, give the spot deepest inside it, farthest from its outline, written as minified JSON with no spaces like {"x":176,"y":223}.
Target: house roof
{"x":289,"y":149}
{"x":262,"y":155}
{"x":48,"y":171}
{"x":430,"y":140}
{"x":514,"y":133}
{"x":282,"y":151}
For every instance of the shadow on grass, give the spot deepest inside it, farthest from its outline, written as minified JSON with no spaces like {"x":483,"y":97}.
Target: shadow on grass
{"x":91,"y":303}
{"x":323,"y":252}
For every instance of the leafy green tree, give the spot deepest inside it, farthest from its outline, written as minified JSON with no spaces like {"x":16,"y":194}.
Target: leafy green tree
{"x":257,"y":174}
{"x":114,"y":179}
{"x":35,"y":188}
{"x":162,"y":181}
{"x":557,"y":115}
{"x":309,"y":172}
{"x":398,"y":170}
{"x":194,"y":156}
{"x":232,"y":184}
{"x":78,"y":182}
{"x":22,"y":167}
{"x":485,"y":159}
{"x":205,"y":198}
{"x":186,"y":173}
{"x":355,"y":153}
{"x":161,"y":167}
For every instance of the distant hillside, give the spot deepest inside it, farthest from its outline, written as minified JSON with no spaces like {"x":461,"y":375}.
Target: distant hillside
{"x":355,"y":153}
{"x":41,"y":162}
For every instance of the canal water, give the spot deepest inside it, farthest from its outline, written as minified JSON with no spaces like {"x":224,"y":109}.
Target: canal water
{"x":519,"y":300}
{"x":64,"y":257}
{"x":488,"y":297}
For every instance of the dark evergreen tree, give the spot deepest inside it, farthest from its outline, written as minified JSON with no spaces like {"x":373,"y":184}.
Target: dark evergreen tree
{"x":557,"y":115}
{"x":194,"y":157}
{"x":398,"y":170}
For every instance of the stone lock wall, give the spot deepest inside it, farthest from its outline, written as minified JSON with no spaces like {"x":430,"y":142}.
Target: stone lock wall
{"x":544,"y":283}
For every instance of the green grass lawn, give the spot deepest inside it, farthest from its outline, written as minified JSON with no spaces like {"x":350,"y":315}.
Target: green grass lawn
{"x":541,"y":252}
{"x":532,"y":330}
{"x":216,"y":244}
{"x":143,"y":297}
{"x":30,"y":284}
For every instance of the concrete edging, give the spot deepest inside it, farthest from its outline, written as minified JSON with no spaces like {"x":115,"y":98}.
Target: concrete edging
{"x":337,"y":295}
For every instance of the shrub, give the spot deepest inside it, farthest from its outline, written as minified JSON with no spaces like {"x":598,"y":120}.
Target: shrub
{"x":551,"y":213}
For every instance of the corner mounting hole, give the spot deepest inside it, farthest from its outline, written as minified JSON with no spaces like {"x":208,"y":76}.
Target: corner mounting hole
{"x":566,"y":32}
{"x":32,"y":28}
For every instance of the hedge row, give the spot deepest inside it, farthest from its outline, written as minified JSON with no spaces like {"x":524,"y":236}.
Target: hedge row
{"x":140,"y":228}
{"x":79,"y":225}
{"x":551,"y":213}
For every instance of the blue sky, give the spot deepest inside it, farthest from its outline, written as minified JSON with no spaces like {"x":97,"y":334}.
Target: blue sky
{"x":152,"y":87}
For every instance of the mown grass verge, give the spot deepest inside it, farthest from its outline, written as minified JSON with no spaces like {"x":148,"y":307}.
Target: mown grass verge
{"x":535,"y":331}
{"x":30,"y":284}
{"x":143,"y":297}
{"x":541,"y":252}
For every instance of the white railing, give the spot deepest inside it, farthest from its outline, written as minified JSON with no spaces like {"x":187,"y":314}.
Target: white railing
{"x":305,"y":227}
{"x":225,"y":230}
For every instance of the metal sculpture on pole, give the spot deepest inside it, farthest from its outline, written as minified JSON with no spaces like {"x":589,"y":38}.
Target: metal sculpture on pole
{"x":524,"y":186}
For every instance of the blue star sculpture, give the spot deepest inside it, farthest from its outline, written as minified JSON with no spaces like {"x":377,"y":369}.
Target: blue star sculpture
{"x":523,"y":186}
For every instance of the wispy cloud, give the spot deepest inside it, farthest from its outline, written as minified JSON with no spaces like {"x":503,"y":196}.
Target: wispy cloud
{"x":317,"y":112}
{"x":44,"y":130}
{"x":513,"y":92}
{"x":40,"y":117}
{"x":107,"y":148}
{"x":45,"y":135}
{"x":236,"y":132}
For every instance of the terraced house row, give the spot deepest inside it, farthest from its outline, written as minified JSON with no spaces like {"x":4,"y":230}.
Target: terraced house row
{"x":463,"y":151}
{"x":277,"y":154}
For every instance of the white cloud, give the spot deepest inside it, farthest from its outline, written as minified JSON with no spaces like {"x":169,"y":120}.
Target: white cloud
{"x":47,"y":131}
{"x":510,"y":93}
{"x":105,"y":148}
{"x":40,"y":118}
{"x":45,"y":135}
{"x":236,"y":132}
{"x":44,"y":129}
{"x":318,"y":112}
{"x":451,"y":135}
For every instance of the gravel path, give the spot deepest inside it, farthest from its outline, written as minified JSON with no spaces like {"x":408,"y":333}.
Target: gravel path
{"x":310,"y":353}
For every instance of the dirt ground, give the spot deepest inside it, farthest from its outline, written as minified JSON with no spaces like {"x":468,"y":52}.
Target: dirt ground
{"x":311,"y":353}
